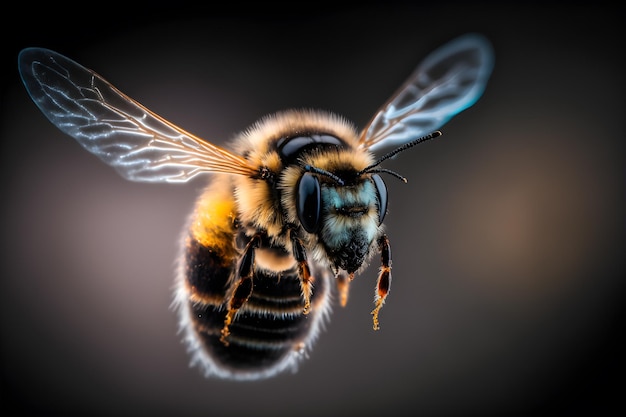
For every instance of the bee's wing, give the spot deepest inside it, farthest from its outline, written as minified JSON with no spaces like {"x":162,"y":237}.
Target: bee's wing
{"x":447,"y":82}
{"x":141,"y":145}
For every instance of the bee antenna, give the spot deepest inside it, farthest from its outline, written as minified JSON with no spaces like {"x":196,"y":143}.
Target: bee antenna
{"x":325,"y":173}
{"x":390,"y":172}
{"x":402,"y":148}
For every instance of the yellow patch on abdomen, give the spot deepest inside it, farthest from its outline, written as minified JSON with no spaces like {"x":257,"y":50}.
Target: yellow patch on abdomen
{"x":213,"y":221}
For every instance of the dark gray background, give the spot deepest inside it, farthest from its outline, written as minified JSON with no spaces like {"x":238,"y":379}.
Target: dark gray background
{"x":508,"y":241}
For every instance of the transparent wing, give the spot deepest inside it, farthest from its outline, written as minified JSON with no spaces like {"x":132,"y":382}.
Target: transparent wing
{"x":141,"y":145}
{"x":447,"y":82}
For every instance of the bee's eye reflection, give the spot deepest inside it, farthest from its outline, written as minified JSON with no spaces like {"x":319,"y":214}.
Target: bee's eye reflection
{"x":308,"y":201}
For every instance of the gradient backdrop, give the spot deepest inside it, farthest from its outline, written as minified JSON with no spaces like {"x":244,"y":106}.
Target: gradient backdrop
{"x":508,"y":240}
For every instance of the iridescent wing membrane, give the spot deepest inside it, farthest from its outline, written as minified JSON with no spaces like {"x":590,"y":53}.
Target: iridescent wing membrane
{"x":141,"y":145}
{"x":448,"y":81}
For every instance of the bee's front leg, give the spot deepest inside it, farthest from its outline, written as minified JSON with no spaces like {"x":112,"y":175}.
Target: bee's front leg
{"x":384,"y":278}
{"x":242,"y":287}
{"x":306,"y":280}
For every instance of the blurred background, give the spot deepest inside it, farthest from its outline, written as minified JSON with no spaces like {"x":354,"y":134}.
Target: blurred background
{"x":508,"y":240}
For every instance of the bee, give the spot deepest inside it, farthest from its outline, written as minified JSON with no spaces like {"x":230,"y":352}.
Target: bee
{"x":293,"y":210}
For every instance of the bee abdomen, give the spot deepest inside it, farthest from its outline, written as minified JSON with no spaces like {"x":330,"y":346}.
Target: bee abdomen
{"x":267,"y":333}
{"x":267,"y":328}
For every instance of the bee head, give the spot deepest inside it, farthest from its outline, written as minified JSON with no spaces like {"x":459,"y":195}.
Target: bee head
{"x":344,"y":212}
{"x":342,"y":201}
{"x":353,"y":198}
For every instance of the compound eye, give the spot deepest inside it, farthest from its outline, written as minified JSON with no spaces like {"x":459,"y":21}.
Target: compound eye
{"x":308,"y":202}
{"x":381,"y":193}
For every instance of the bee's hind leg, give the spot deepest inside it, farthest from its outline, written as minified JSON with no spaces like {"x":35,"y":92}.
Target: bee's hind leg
{"x":384,"y":278}
{"x":243,"y":286}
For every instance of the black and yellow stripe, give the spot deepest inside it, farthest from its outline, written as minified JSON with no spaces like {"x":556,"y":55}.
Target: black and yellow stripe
{"x":270,"y":328}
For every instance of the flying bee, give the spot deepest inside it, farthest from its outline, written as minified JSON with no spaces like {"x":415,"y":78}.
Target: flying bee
{"x":294,"y":208}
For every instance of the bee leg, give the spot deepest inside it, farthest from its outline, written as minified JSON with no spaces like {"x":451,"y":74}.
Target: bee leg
{"x":343,"y":286}
{"x":306,"y":280}
{"x":384,"y":278}
{"x":243,"y":287}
